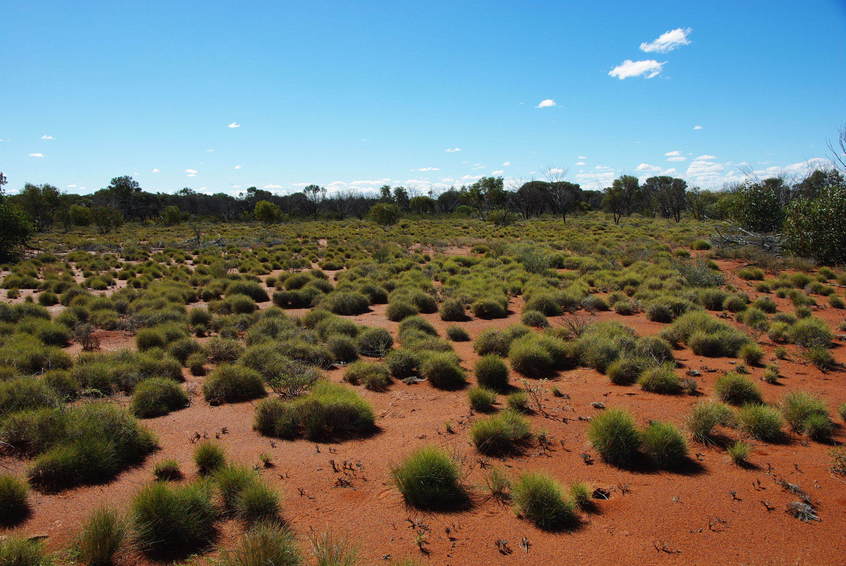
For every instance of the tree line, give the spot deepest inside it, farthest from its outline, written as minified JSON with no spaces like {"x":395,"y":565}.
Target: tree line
{"x":769,"y":205}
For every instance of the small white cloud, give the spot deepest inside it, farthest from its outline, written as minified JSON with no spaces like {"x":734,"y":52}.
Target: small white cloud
{"x":191,"y":172}
{"x":706,"y":156}
{"x":668,"y":41}
{"x":237,"y":167}
{"x":697,"y":127}
{"x":506,"y":164}
{"x":72,"y":186}
{"x":426,"y":169}
{"x":674,"y":155}
{"x":498,"y":172}
{"x":648,"y":69}
{"x":580,"y":163}
{"x":36,"y":155}
{"x":546,"y":103}
{"x":452,"y":149}
{"x":268,"y":187}
{"x":647,"y":167}
{"x":233,"y":125}
{"x":557,"y":171}
{"x":582,"y":157}
{"x":46,"y":137}
{"x":156,"y":171}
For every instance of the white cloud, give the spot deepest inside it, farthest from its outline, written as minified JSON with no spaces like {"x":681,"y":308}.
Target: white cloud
{"x":452,"y":149}
{"x":46,"y":137}
{"x":647,"y":167}
{"x":648,"y":68}
{"x":795,"y":169}
{"x":675,"y":155}
{"x":582,"y":157}
{"x":426,"y":169}
{"x":36,"y":155}
{"x":155,"y":171}
{"x":233,"y":125}
{"x":498,"y":172}
{"x":580,"y":163}
{"x":706,"y":157}
{"x":557,"y":171}
{"x":506,"y":164}
{"x":668,"y":41}
{"x":268,"y":187}
{"x":546,"y":103}
{"x":191,"y":172}
{"x":697,"y":127}
{"x":237,"y":167}
{"x":72,"y":186}
{"x":471,"y":177}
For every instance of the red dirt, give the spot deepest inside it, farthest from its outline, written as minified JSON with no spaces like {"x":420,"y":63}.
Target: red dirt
{"x":719,"y":514}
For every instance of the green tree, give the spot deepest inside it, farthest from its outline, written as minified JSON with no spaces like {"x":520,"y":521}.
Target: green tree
{"x":40,"y":203}
{"x":385,"y":213}
{"x":816,"y":227}
{"x":171,"y":215}
{"x":486,"y":194}
{"x":15,"y":229}
{"x":758,"y":206}
{"x":668,"y":195}
{"x":106,"y":218}
{"x":422,"y":205}
{"x":80,"y":215}
{"x":267,"y":212}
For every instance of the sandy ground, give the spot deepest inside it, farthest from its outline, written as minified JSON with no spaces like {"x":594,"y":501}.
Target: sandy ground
{"x":713,"y":513}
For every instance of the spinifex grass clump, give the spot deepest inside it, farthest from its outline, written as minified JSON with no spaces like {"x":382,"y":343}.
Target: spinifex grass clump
{"x":441,"y":369}
{"x":266,"y":544}
{"x":14,"y":500}
{"x":539,"y":499}
{"x":761,"y":422}
{"x":492,"y":373}
{"x":500,"y":434}
{"x":736,"y":389}
{"x":174,"y":520}
{"x":102,"y":537}
{"x":209,"y":457}
{"x":373,"y":376}
{"x":157,"y":396}
{"x":233,"y":383}
{"x":807,"y":414}
{"x":429,"y":479}
{"x":705,"y":416}
{"x":615,"y":437}
{"x":664,"y":445}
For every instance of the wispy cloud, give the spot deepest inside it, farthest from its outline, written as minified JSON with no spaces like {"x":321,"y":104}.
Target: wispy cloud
{"x":426,"y":169}
{"x":675,"y":155}
{"x":191,"y":172}
{"x":237,"y":167}
{"x":506,"y":164}
{"x":233,"y":125}
{"x":648,"y":69}
{"x":452,"y":149}
{"x":268,"y":187}
{"x":46,"y":137}
{"x":498,"y":172}
{"x":36,"y":155}
{"x":546,"y":103}
{"x":668,"y":41}
{"x":697,"y":127}
{"x":155,"y":171}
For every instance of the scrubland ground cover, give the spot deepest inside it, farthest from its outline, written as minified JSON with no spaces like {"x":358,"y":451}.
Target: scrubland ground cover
{"x":438,"y":387}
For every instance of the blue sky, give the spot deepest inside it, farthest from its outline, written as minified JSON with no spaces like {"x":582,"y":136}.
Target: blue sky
{"x":352,"y":95}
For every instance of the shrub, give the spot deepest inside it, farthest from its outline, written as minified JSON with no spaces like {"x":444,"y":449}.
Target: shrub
{"x":173,"y":520}
{"x":452,"y":310}
{"x":538,"y":498}
{"x":346,"y":303}
{"x":661,"y":379}
{"x":399,"y":310}
{"x":231,"y":384}
{"x":735,"y":389}
{"x":258,"y":502}
{"x":231,"y":481}
{"x":14,"y":500}
{"x":700,"y":245}
{"x":343,"y":348}
{"x":442,"y":370}
{"x":580,"y":493}
{"x":374,"y":342}
{"x":810,"y":333}
{"x":534,"y":319}
{"x":820,"y":357}
{"x":481,"y":399}
{"x":429,"y":479}
{"x":148,"y":338}
{"x":761,"y":422}
{"x":25,"y":393}
{"x":375,"y":377}
{"x":492,"y":373}
{"x":625,"y":371}
{"x":101,"y":538}
{"x":738,"y":452}
{"x":157,"y":396}
{"x":798,"y":407}
{"x":224,"y":349}
{"x":705,"y":416}
{"x":488,"y":309}
{"x":664,"y":444}
{"x":20,"y":551}
{"x":209,"y":457}
{"x":167,"y":470}
{"x":402,"y":363}
{"x":457,"y":334}
{"x":614,"y":436}
{"x":705,"y":335}
{"x":266,"y":544}
{"x":528,"y":357}
{"x":751,"y":353}
{"x":519,"y":401}
{"x":62,"y":383}
{"x":500,"y":434}
{"x":751,"y":273}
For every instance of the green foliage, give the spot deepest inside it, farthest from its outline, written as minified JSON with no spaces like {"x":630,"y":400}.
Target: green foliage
{"x":266,"y":544}
{"x":481,"y":399}
{"x":664,"y":444}
{"x":815,"y":227}
{"x":157,"y":396}
{"x":739,"y":452}
{"x":22,"y":551}
{"x":102,"y":536}
{"x":661,"y":379}
{"x":428,"y":478}
{"x":491,"y":373}
{"x":500,"y":434}
{"x":386,"y":214}
{"x":14,"y":500}
{"x":441,"y":369}
{"x":705,"y":416}
{"x":173,"y":520}
{"x":539,"y":499}
{"x":373,"y":376}
{"x":761,"y":422}
{"x":233,"y":383}
{"x":614,"y":435}
{"x":209,"y":457}
{"x":736,"y":389}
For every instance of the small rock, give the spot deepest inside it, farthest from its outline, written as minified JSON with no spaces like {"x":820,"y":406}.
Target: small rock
{"x":598,"y":405}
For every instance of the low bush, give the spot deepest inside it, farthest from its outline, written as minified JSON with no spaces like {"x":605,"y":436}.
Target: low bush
{"x":173,"y":521}
{"x":625,"y":371}
{"x":157,"y":396}
{"x":232,"y":384}
{"x":492,"y":373}
{"x":481,"y":399}
{"x":399,"y":310}
{"x":489,"y":308}
{"x":373,"y":376}
{"x":538,"y":498}
{"x":736,"y":389}
{"x":811,"y":333}
{"x":500,"y":434}
{"x":23,"y":551}
{"x":751,"y":353}
{"x":519,"y":401}
{"x":664,"y":445}
{"x":614,"y":435}
{"x":266,"y":544}
{"x":761,"y":422}
{"x":374,"y":342}
{"x":452,"y":310}
{"x":258,"y":502}
{"x":704,"y":417}
{"x":429,"y":479}
{"x":804,"y":411}
{"x":14,"y":500}
{"x":528,"y":357}
{"x":457,"y":334}
{"x":402,"y":363}
{"x":209,"y":457}
{"x":167,"y":470}
{"x":346,"y":303}
{"x":534,"y":319}
{"x":441,"y":369}
{"x":738,"y":452}
{"x":661,"y":379}
{"x":102,"y":537}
